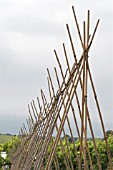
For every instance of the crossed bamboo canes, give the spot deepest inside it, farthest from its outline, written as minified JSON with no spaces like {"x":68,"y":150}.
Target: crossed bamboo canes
{"x":37,"y":149}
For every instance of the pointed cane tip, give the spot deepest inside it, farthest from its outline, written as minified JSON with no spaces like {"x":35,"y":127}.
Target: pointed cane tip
{"x":73,"y":8}
{"x":67,"y":25}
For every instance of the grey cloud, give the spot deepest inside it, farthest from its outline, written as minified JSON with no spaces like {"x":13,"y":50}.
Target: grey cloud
{"x":32,"y":25}
{"x":29,"y":31}
{"x":11,"y":124}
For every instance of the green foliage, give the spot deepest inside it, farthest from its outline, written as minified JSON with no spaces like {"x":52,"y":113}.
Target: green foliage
{"x":6,"y":147}
{"x":62,"y":153}
{"x":110,"y":142}
{"x":1,"y":162}
{"x":101,"y":148}
{"x":5,"y":137}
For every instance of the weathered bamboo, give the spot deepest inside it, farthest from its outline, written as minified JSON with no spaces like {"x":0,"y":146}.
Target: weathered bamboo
{"x":32,"y":153}
{"x":77,"y":105}
{"x":77,"y":25}
{"x":99,"y":165}
{"x":46,"y":111}
{"x":70,"y":38}
{"x":40,"y":135}
{"x":31,"y":150}
{"x":67,"y":91}
{"x":85,"y":96}
{"x":46,"y":142}
{"x":101,"y":119}
{"x":54,"y":122}
{"x":82,"y":121}
{"x":63,"y":149}
{"x":93,"y":34}
{"x":32,"y":138}
{"x":62,"y":122}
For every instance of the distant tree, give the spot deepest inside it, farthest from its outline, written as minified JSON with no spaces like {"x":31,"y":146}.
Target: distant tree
{"x":109,"y":132}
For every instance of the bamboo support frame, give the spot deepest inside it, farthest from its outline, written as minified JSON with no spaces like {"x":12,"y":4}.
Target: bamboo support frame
{"x":37,"y":148}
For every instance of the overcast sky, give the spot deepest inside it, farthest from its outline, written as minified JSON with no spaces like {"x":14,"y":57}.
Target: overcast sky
{"x":29,"y":31}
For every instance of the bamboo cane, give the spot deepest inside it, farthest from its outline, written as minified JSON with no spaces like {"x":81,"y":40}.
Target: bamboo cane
{"x":56,"y":119}
{"x":70,"y":38}
{"x":100,"y":115}
{"x":62,"y":123}
{"x":77,"y":25}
